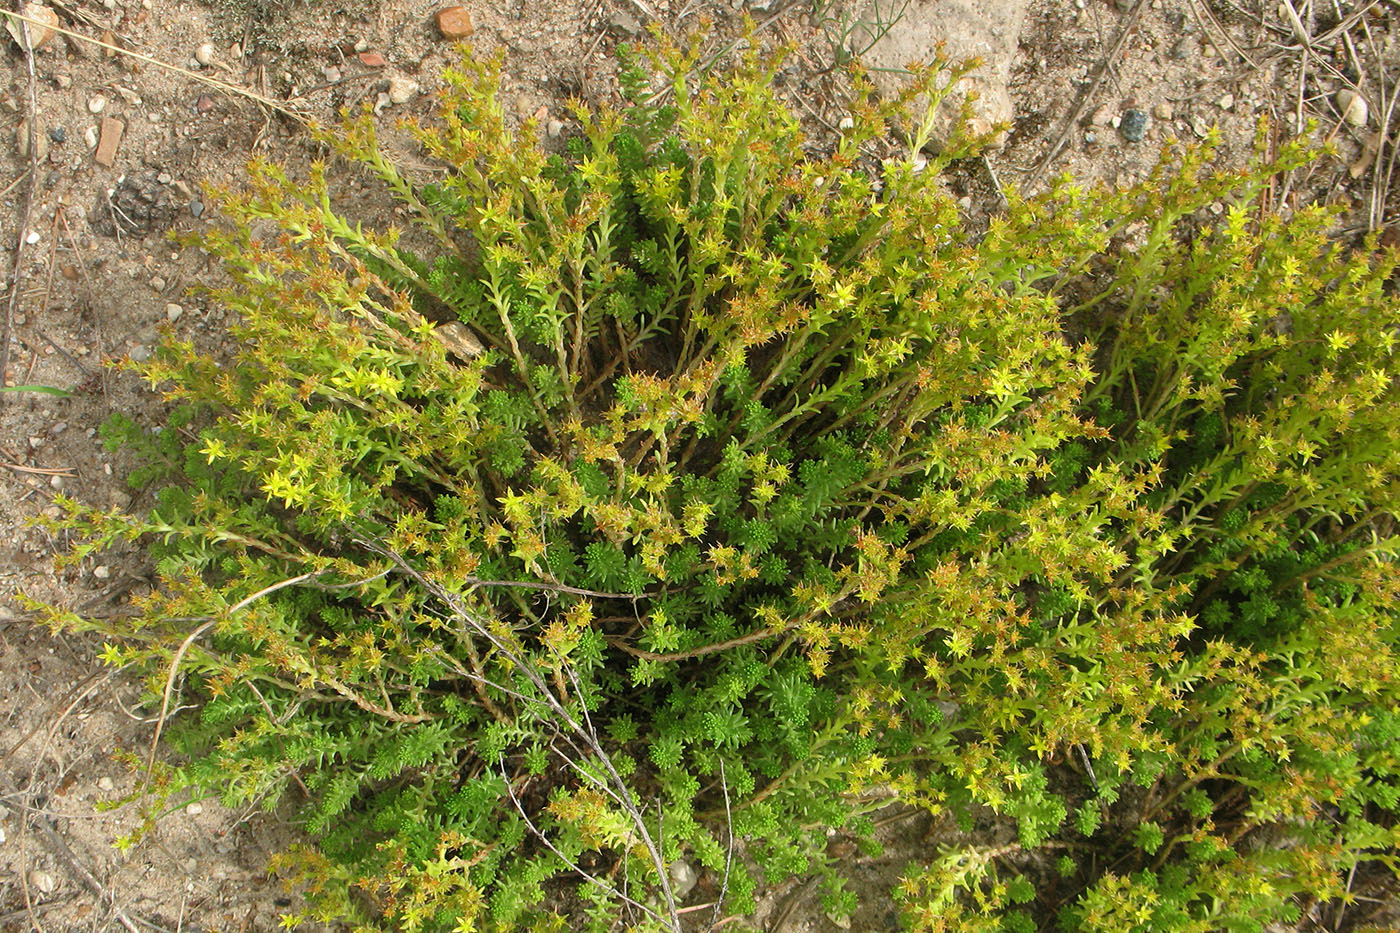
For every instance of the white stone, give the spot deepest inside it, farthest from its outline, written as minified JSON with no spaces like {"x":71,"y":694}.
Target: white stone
{"x":173,"y":312}
{"x":90,"y":137}
{"x":105,"y":785}
{"x":683,"y":878}
{"x":97,"y":103}
{"x":102,"y":571}
{"x":195,"y":809}
{"x":401,"y":89}
{"x":1353,"y":107}
{"x":204,"y":54}
{"x":42,"y":881}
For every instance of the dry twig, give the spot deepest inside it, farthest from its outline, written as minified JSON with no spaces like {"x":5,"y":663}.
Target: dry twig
{"x":31,"y":115}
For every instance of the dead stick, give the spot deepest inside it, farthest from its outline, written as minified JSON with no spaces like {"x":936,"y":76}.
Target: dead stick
{"x":31,"y":117}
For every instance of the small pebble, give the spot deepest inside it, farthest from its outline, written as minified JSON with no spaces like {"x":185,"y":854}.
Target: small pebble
{"x":1200,"y":127}
{"x":196,"y":208}
{"x":1133,"y":125}
{"x":40,"y":33}
{"x":204,"y":54}
{"x":105,"y":785}
{"x":90,"y":137}
{"x":32,"y":237}
{"x":96,"y":104}
{"x":56,"y":481}
{"x":165,"y":178}
{"x":454,"y":22}
{"x":102,"y":571}
{"x":623,"y":23}
{"x":401,"y":90}
{"x":128,"y":95}
{"x":1091,"y":137}
{"x":42,"y":881}
{"x":1162,"y":111}
{"x":1226,"y":102}
{"x":204,"y":104}
{"x":1353,"y":107}
{"x":847,"y":123}
{"x":58,"y":429}
{"x":173,"y":312}
{"x":63,"y":81}
{"x":58,"y":134}
{"x":35,"y":443}
{"x":372,"y":60}
{"x":683,"y":877}
{"x":1101,"y":116}
{"x":139,"y":353}
{"x":195,"y":809}
{"x":555,"y":127}
{"x":158,"y":283}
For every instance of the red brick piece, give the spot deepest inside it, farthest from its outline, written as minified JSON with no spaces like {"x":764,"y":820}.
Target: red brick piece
{"x":454,"y":22}
{"x":109,"y":138}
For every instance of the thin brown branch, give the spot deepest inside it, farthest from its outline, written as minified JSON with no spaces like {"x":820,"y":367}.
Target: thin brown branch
{"x":26,"y":211}
{"x":702,"y":650}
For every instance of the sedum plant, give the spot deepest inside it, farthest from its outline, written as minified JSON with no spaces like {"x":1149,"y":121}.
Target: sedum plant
{"x":699,"y":491}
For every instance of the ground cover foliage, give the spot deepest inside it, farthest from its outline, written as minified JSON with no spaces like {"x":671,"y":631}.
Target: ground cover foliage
{"x":753,"y":493}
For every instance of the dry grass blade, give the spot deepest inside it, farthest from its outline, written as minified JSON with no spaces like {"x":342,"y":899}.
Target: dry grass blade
{"x":282,"y":107}
{"x":39,"y":471}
